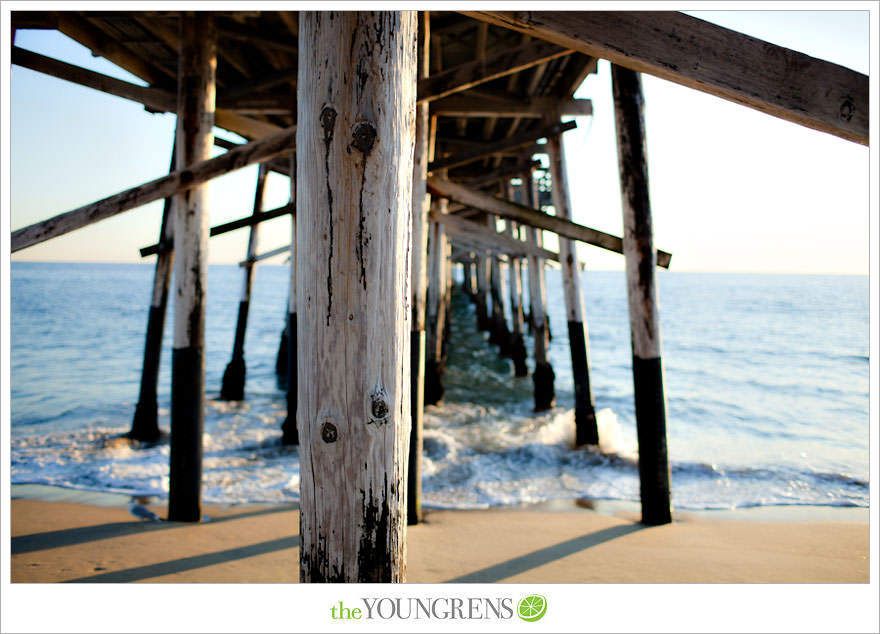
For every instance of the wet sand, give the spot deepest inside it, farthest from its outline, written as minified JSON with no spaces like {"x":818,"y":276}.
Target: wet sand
{"x":69,"y":541}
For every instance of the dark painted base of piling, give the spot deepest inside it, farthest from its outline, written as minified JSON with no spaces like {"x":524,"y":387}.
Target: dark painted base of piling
{"x":289,"y":433}
{"x":500,"y":335}
{"x":232,"y":388}
{"x":187,"y":425}
{"x":145,"y":426}
{"x":518,"y":354}
{"x":281,"y":359}
{"x":417,"y":399}
{"x":482,"y":313}
{"x":434,"y":389}
{"x":651,"y":430}
{"x":543,"y":378}
{"x":586,"y":429}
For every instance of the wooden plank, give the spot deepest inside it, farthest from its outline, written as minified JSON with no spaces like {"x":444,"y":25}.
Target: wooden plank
{"x":354,"y":208}
{"x":513,"y":106}
{"x":195,"y":139}
{"x":177,"y":181}
{"x":470,"y":74}
{"x":641,"y":286}
{"x":688,"y":51}
{"x":488,"y":149}
{"x":532,"y":217}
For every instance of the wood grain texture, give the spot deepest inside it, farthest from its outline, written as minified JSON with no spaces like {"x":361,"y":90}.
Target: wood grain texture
{"x":688,"y":51}
{"x":180,"y":180}
{"x":526,"y":215}
{"x":356,"y":115}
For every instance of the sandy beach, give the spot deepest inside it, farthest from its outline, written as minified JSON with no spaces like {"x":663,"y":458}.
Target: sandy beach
{"x":63,"y":541}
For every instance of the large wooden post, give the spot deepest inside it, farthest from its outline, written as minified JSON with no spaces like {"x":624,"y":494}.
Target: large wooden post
{"x":641,"y":286}
{"x":586,"y":430}
{"x":356,"y":118}
{"x":517,"y":342}
{"x":289,"y":432}
{"x":232,"y":387}
{"x":435,"y":315}
{"x":543,"y":376}
{"x":145,"y":425}
{"x":195,"y":138}
{"x":421,"y":201}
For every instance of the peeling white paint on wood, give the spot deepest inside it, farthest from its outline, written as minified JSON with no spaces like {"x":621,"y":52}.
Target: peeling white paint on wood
{"x":356,"y":117}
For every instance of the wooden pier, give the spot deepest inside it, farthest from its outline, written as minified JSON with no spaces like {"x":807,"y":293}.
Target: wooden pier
{"x":406,"y":137}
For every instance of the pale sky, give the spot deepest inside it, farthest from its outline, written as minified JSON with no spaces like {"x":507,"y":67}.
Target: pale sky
{"x":732,"y":189}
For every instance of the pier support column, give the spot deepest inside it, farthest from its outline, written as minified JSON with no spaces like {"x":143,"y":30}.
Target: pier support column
{"x":435,"y":311}
{"x":355,"y":135}
{"x":232,"y":388}
{"x":641,"y":286}
{"x":421,"y":202}
{"x":289,"y":433}
{"x":517,"y":343}
{"x":543,"y":375}
{"x":145,"y":425}
{"x":482,"y":294}
{"x":586,"y":430}
{"x":500,"y":333}
{"x":195,"y":138}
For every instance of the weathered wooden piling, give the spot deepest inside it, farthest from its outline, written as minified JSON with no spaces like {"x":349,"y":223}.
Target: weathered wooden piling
{"x":356,"y":107}
{"x":638,"y":246}
{"x":232,"y":387}
{"x":435,"y":312}
{"x":195,"y":137}
{"x":499,"y":334}
{"x":543,"y":376}
{"x":145,"y":425}
{"x":289,"y":431}
{"x":517,"y":341}
{"x":482,"y":295}
{"x":586,"y":429}
{"x":421,"y":202}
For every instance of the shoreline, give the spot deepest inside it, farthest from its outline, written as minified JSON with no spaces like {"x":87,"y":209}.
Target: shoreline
{"x":624,"y":509}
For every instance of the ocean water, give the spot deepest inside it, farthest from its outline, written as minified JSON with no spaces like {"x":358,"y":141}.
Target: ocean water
{"x":766,"y":382}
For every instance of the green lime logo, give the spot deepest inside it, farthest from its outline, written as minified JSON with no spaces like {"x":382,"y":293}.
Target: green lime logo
{"x":532,"y":608}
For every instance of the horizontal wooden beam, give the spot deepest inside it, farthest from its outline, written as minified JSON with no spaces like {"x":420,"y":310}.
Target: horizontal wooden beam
{"x":226,"y":227}
{"x":509,"y":143}
{"x":179,"y":180}
{"x":154,"y":99}
{"x":526,"y":107}
{"x":280,"y":165}
{"x":266,"y":255}
{"x":479,"y":71}
{"x":694,"y":53}
{"x":481,"y":234}
{"x":508,"y":171}
{"x":532,"y":217}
